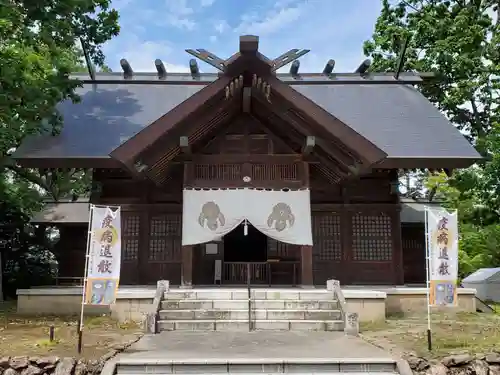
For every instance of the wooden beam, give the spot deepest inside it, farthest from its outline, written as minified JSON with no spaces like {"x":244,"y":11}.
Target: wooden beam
{"x":247,"y":99}
{"x":130,"y":150}
{"x":309,"y":145}
{"x":184,"y":145}
{"x":249,"y":44}
{"x":329,"y":124}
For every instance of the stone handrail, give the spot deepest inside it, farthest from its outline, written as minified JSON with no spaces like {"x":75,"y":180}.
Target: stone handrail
{"x":150,"y":324}
{"x":351,"y":319}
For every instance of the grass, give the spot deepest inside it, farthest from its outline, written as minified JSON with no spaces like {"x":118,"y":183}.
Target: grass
{"x":451,"y":333}
{"x":30,"y":335}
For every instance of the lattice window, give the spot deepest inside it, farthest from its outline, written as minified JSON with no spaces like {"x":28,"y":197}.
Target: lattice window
{"x":371,"y":237}
{"x":165,"y":238}
{"x":131,"y":225}
{"x":278,"y":249}
{"x":326,"y":237}
{"x":225,"y":172}
{"x":277,"y":172}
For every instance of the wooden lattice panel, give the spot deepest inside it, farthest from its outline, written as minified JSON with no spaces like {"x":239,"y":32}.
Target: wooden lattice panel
{"x":326,"y":237}
{"x":221,"y":172}
{"x":276,"y":172}
{"x":165,"y":238}
{"x":281,"y":250}
{"x":131,"y":225}
{"x":371,"y":237}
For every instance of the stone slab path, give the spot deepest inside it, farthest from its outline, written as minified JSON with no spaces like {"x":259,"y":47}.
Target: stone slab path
{"x":252,"y":345}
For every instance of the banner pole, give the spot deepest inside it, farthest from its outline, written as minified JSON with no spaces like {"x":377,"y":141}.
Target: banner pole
{"x":428,"y":277}
{"x":84,"y":288}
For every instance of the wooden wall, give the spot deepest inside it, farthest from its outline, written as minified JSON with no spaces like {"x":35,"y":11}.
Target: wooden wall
{"x":356,"y":226}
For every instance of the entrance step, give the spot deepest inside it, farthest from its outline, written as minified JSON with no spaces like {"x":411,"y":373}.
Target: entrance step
{"x":341,"y":366}
{"x":240,"y":304}
{"x":271,"y":309}
{"x":293,"y":294}
{"x":242,"y":325}
{"x":258,"y":314}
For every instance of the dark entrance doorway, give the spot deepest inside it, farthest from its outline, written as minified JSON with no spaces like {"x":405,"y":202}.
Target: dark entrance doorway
{"x":249,"y":248}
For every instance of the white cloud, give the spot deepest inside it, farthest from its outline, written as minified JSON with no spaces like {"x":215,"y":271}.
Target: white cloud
{"x":142,"y":54}
{"x":271,"y":23}
{"x":221,"y":26}
{"x":206,"y":3}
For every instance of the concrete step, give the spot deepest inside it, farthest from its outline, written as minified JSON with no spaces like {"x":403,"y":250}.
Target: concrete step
{"x":200,"y":294}
{"x":242,"y":325}
{"x":353,"y":366}
{"x":235,"y":304}
{"x":259,"y":314}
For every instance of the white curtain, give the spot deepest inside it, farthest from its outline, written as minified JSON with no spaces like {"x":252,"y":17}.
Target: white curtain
{"x":208,"y":215}
{"x":282,"y":215}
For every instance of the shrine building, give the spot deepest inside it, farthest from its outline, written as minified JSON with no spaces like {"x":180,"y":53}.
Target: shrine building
{"x":293,"y":173}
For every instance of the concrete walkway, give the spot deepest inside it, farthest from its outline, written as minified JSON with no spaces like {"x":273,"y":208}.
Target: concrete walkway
{"x":178,"y":346}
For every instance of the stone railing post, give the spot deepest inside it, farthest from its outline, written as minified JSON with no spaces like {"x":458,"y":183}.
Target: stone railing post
{"x":351,"y":320}
{"x":150,"y":323}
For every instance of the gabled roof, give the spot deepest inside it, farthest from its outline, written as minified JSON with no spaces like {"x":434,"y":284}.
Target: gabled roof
{"x":379,"y":118}
{"x":396,"y":118}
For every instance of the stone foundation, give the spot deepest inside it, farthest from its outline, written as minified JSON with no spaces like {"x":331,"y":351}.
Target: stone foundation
{"x":133,"y":303}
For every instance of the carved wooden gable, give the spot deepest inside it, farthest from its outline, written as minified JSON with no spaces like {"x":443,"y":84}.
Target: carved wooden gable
{"x":246,"y":135}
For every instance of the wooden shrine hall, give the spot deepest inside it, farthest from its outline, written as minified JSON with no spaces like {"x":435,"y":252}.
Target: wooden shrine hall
{"x":151,"y":138}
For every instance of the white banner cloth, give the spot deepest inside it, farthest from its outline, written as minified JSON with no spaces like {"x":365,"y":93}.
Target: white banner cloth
{"x":211,"y":214}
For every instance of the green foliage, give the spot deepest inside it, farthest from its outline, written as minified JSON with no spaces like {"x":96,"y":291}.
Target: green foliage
{"x":39,"y":48}
{"x":459,"y":40}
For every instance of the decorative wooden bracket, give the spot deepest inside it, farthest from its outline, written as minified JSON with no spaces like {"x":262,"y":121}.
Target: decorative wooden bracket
{"x":262,"y":86}
{"x":234,"y":87}
{"x":208,"y":57}
{"x":288,"y":57}
{"x":309,"y":145}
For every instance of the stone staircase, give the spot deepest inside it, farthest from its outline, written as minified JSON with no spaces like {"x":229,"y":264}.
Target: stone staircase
{"x":228,"y":309}
{"x":347,"y":366}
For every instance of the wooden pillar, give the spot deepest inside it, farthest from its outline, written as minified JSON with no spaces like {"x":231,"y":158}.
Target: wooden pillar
{"x":187,"y":251}
{"x":306,"y":257}
{"x":187,"y":266}
{"x":397,"y":248}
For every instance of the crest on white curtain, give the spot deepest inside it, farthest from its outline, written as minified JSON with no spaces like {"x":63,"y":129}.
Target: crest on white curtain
{"x":211,"y":216}
{"x":281,"y":215}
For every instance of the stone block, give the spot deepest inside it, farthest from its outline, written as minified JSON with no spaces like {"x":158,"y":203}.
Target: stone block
{"x":213,"y":294}
{"x":315,"y":296}
{"x":194,"y":325}
{"x":274,"y":325}
{"x":334,"y":325}
{"x":282,"y":295}
{"x":268,"y":304}
{"x":231,"y":325}
{"x":230,"y":304}
{"x":306,"y":325}
{"x":285,"y":314}
{"x":176,"y":314}
{"x":351,"y":323}
{"x":322,"y":315}
{"x":164,"y":325}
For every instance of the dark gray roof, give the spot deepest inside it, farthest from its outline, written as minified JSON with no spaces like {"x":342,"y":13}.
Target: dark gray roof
{"x":107,"y":116}
{"x":396,"y":118}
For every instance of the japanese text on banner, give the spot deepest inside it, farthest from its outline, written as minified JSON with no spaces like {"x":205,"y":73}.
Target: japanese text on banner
{"x":442,"y":229}
{"x":104,"y":256}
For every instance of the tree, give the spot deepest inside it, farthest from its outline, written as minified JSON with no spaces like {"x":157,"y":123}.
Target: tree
{"x":459,"y":40}
{"x":39,"y":47}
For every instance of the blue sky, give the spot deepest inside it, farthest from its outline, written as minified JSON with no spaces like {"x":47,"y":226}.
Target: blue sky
{"x":163,"y":29}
